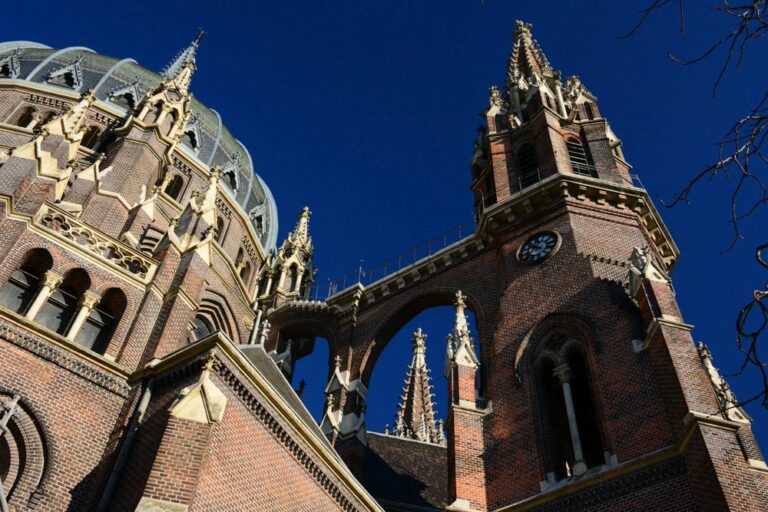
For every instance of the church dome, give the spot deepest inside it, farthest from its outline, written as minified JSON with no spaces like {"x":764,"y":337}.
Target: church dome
{"x":120,"y":84}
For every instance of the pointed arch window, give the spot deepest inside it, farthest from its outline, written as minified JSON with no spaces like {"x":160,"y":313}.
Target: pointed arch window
{"x":221,"y":226}
{"x":581,"y":163}
{"x":291,"y":278}
{"x":571,"y":433}
{"x":20,"y":290}
{"x":589,"y":110}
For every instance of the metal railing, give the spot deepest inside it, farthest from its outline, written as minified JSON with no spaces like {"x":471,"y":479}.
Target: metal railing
{"x":519,"y":184}
{"x":368,"y":275}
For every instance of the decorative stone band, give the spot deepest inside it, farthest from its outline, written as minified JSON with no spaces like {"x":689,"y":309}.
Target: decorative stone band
{"x":580,"y":189}
{"x":85,"y":238}
{"x":61,"y":356}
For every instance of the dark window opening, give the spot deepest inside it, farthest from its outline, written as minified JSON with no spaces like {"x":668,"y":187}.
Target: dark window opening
{"x":27,"y":117}
{"x":65,"y":80}
{"x":5,"y":71}
{"x":589,"y":111}
{"x":173,"y":188}
{"x":291,"y":279}
{"x":556,"y":431}
{"x":125,"y":100}
{"x":528,"y":166}
{"x":58,"y":313}
{"x":586,"y":413}
{"x":91,"y":137}
{"x":20,"y":290}
{"x":189,"y":139}
{"x":102,"y":321}
{"x":220,"y":226}
{"x":231,"y":180}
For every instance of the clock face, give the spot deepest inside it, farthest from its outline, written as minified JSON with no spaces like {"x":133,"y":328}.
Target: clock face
{"x":538,"y":247}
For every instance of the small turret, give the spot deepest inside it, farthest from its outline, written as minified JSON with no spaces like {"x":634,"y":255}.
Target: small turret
{"x":291,"y":274}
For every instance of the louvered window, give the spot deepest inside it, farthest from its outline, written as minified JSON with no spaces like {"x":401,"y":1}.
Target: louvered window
{"x":580,"y":161}
{"x":528,"y":166}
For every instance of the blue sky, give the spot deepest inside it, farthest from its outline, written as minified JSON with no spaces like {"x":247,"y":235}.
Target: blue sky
{"x":366,"y":111}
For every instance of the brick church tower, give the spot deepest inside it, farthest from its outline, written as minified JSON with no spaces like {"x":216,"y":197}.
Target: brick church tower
{"x":150,"y":324}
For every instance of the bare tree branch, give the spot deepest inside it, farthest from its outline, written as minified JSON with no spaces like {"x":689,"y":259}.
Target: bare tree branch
{"x":741,"y":156}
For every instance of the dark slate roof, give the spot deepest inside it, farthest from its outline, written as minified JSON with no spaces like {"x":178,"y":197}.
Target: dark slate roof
{"x":107,"y":75}
{"x":406,"y":475}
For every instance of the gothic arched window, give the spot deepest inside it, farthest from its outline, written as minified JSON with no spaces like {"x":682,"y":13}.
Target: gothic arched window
{"x":102,"y":321}
{"x":581,"y":163}
{"x":59,"y":311}
{"x":291,"y":278}
{"x":528,"y":165}
{"x":220,"y":227}
{"x":570,"y":429}
{"x":18,"y":293}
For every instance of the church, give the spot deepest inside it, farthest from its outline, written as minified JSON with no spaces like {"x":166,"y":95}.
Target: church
{"x":151,"y":320}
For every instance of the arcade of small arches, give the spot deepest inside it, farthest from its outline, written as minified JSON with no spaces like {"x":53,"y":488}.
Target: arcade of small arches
{"x":63,"y":303}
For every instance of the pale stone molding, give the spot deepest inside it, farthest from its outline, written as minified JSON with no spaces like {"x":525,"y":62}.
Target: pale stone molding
{"x":154,"y":505}
{"x":203,"y":402}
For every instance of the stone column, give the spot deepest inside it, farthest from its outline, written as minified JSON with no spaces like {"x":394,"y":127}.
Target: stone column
{"x":560,"y":102}
{"x":48,"y":284}
{"x":516,"y":100}
{"x":87,"y":302}
{"x":563,"y":372}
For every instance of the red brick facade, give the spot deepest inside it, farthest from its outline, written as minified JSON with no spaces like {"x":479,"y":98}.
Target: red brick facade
{"x":135,"y":316}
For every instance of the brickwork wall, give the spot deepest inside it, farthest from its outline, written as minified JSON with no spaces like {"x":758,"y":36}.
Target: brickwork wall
{"x":229,"y":472}
{"x":76,"y":415}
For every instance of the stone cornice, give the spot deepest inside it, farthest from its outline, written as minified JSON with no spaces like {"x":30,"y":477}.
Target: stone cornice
{"x":55,"y":348}
{"x":516,"y":210}
{"x":312,"y":448}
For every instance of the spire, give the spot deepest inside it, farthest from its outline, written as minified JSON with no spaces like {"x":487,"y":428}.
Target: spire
{"x":179,"y":70}
{"x":527,"y":58}
{"x":301,"y":231}
{"x":461,"y":346}
{"x":299,"y":237}
{"x":415,"y":417}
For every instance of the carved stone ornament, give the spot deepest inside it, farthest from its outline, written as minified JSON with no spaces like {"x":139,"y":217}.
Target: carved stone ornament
{"x":100,"y":245}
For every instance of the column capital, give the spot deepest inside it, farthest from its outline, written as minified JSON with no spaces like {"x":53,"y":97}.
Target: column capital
{"x":51,"y":279}
{"x":563,"y":372}
{"x":89,"y":300}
